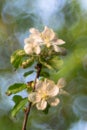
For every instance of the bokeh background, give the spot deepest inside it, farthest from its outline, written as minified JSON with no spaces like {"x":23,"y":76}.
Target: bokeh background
{"x":68,"y":18}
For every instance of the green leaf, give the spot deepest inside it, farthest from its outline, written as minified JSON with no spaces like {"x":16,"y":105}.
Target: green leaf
{"x":44,"y":63}
{"x":28,"y":73}
{"x":16,"y":58}
{"x":56,"y":62}
{"x":27,"y":63}
{"x":15,"y":88}
{"x":17,"y":98}
{"x":18,"y":106}
{"x":45,"y":72}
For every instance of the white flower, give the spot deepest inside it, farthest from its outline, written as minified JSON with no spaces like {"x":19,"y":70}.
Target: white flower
{"x":36,"y":35}
{"x":37,"y":39}
{"x":46,"y":92}
{"x":48,"y":36}
{"x":50,"y":39}
{"x":31,"y":47}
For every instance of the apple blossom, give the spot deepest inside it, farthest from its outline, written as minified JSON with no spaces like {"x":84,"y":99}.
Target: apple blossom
{"x":31,"y":47}
{"x":46,"y":92}
{"x":50,"y":39}
{"x":45,"y":38}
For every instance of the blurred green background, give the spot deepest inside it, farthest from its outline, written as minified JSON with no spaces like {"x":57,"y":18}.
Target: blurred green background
{"x":68,"y":18}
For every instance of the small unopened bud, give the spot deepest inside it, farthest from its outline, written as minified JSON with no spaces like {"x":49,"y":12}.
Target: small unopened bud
{"x":24,"y":64}
{"x":25,"y":109}
{"x":8,"y":93}
{"x":30,"y":84}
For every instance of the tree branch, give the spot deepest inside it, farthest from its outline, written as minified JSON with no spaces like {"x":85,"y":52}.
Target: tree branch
{"x":27,"y":112}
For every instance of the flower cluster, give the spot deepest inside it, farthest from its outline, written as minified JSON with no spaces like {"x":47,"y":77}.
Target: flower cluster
{"x":38,"y":43}
{"x":46,"y":92}
{"x":38,"y":40}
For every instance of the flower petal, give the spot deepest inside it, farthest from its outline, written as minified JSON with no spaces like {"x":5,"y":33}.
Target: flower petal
{"x":47,"y":87}
{"x":52,"y":91}
{"x":53,"y":101}
{"x":28,"y":49}
{"x":49,"y":33}
{"x":37,"y":38}
{"x":61,"y":83}
{"x":60,"y":42}
{"x":37,"y":50}
{"x":41,"y":105}
{"x":48,"y":44}
{"x":34,"y":31}
{"x":56,"y":48}
{"x":42,"y":85}
{"x":26,"y":40}
{"x":34,"y":97}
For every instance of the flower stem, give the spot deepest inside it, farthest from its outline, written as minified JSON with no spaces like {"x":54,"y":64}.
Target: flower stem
{"x":27,"y":112}
{"x":26,"y":116}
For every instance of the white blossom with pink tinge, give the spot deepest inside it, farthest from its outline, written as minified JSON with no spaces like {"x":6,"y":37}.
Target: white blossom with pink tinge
{"x":46,"y":92}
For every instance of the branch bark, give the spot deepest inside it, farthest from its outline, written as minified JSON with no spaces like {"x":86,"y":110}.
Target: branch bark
{"x":27,"y":112}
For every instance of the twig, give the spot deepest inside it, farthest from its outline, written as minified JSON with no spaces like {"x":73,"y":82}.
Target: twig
{"x":27,"y":112}
{"x":26,"y":116}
